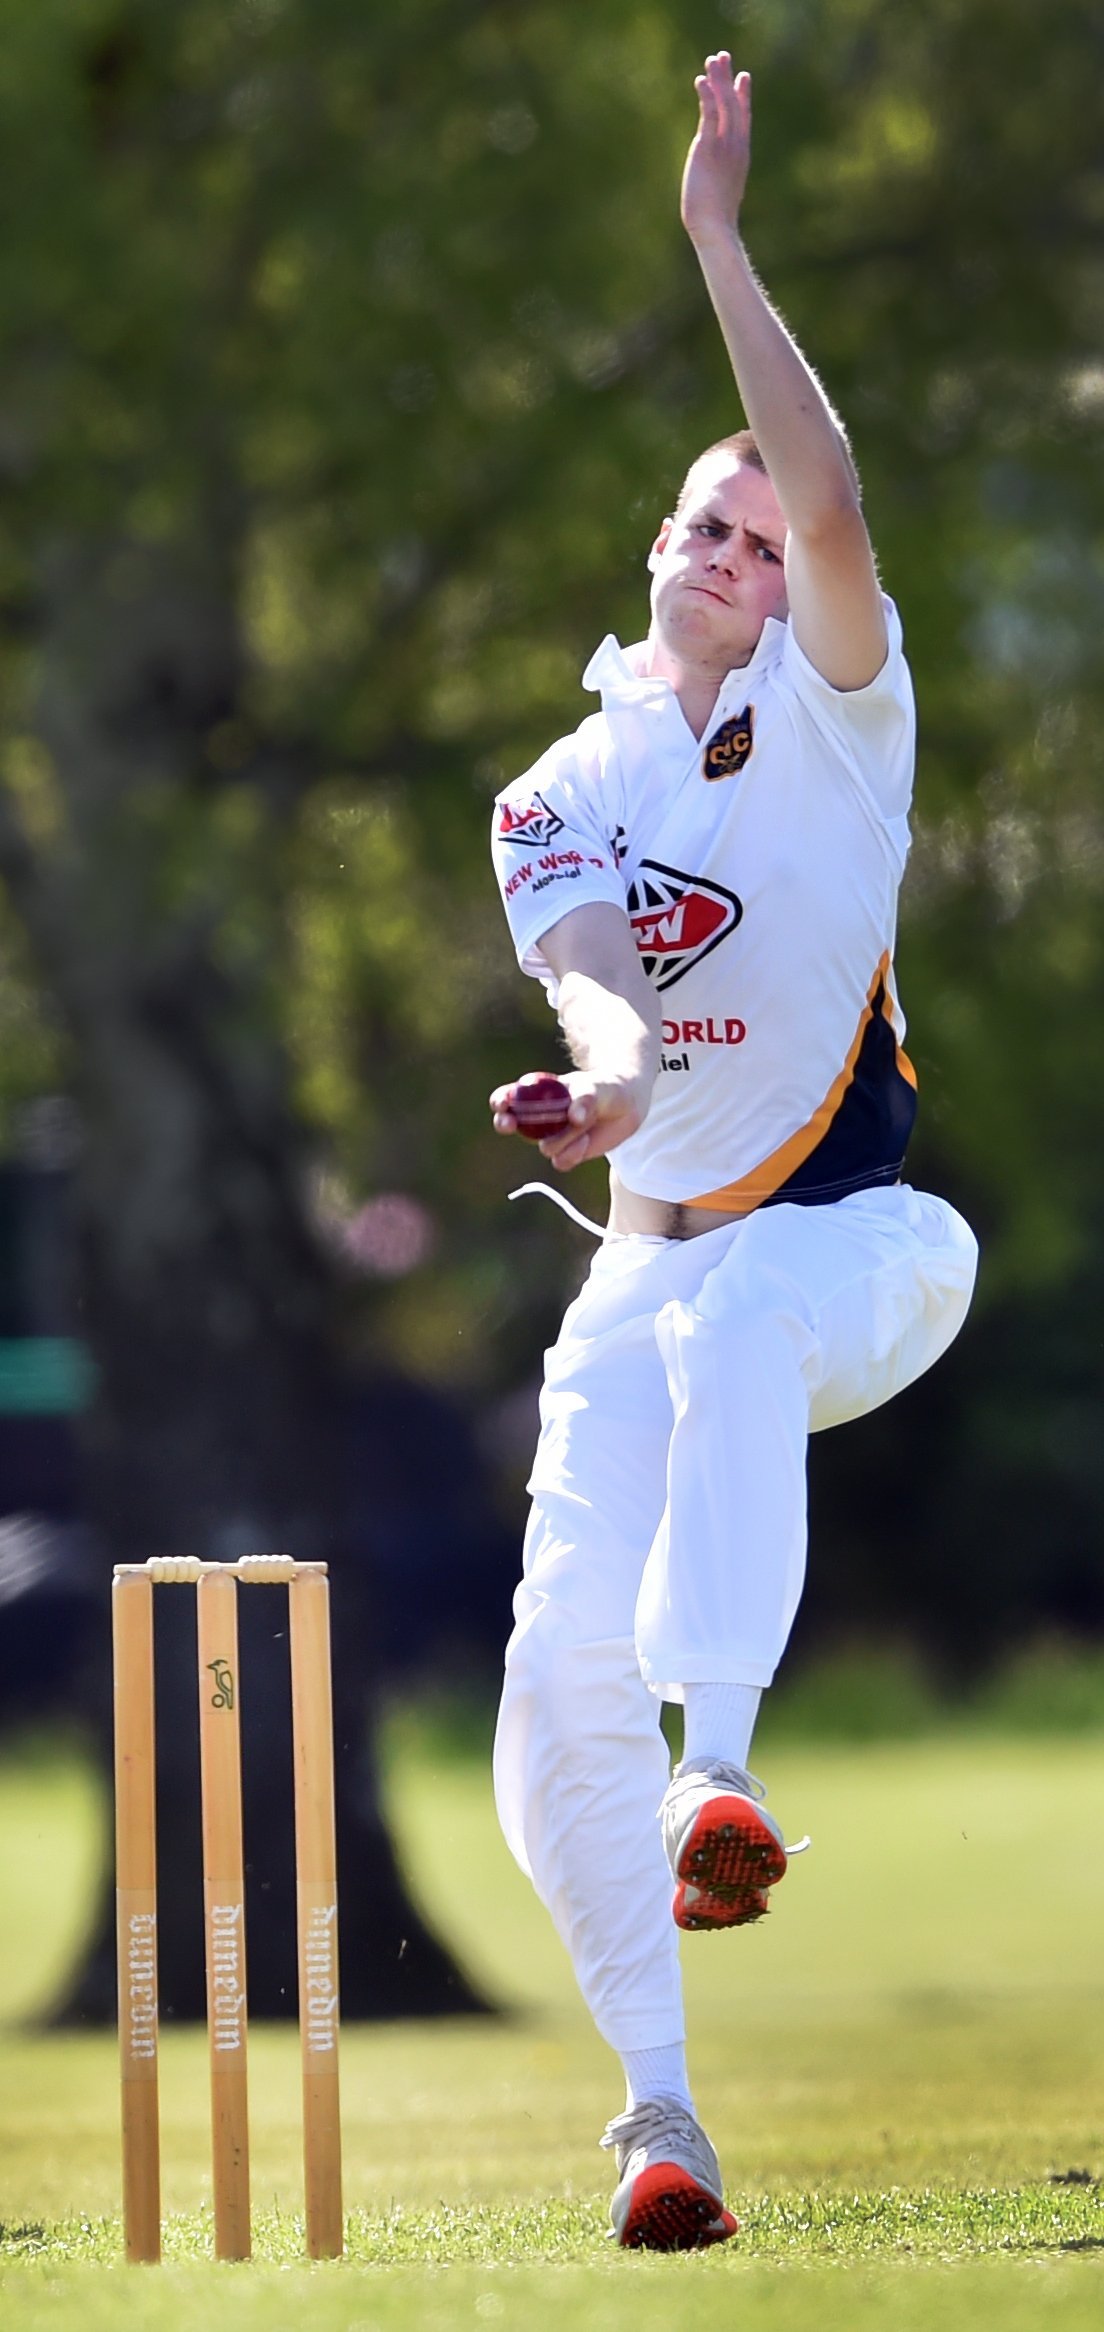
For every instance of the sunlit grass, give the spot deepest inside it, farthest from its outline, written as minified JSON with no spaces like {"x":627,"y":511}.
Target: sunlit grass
{"x":903,"y":2070}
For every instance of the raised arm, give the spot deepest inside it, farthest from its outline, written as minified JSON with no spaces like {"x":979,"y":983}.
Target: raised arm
{"x":610,"y":1017}
{"x":832,"y":585}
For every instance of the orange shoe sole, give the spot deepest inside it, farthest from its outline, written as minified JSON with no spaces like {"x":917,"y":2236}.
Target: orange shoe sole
{"x":671,"y":2212}
{"x":727,"y":1863}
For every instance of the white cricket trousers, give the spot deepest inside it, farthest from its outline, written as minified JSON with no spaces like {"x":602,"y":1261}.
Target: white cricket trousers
{"x":666,"y":1542}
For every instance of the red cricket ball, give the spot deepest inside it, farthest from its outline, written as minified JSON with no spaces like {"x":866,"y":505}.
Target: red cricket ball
{"x":539,"y":1103}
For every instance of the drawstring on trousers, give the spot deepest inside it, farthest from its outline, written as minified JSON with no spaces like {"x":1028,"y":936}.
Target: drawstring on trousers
{"x":544,"y":1190}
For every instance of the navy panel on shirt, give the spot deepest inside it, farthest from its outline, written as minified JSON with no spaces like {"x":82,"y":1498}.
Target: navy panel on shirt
{"x":866,"y":1142}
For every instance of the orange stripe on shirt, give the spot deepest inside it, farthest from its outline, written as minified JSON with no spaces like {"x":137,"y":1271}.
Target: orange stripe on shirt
{"x":754,"y":1189}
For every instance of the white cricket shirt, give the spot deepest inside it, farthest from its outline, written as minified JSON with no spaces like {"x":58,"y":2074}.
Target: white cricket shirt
{"x":759,"y":868}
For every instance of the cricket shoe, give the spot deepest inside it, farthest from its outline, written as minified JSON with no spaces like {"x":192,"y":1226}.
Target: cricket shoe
{"x":723,"y":1847}
{"x":669,"y":2193}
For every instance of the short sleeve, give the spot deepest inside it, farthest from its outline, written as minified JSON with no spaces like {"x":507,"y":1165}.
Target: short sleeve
{"x":874,"y":727}
{"x":553,"y":844}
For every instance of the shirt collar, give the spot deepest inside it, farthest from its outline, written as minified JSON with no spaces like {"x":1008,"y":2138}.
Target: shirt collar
{"x":615,"y":671}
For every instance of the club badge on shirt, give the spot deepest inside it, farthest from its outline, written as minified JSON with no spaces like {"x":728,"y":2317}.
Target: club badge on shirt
{"x":729,"y":746}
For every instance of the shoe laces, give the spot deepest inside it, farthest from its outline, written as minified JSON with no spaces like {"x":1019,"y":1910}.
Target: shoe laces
{"x":734,"y":1777}
{"x":726,"y":1776}
{"x":661,"y":2122}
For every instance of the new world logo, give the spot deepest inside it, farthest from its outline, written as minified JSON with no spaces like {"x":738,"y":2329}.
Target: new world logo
{"x":678,"y":918}
{"x":533,"y":825}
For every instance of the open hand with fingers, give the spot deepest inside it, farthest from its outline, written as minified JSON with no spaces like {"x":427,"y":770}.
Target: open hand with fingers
{"x":717,"y":164}
{"x":571,"y":1118}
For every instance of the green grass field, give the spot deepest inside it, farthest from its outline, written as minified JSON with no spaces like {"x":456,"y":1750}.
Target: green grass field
{"x":903,"y":2069}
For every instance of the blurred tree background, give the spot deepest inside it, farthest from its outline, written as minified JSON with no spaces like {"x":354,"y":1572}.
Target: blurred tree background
{"x":348,"y":360}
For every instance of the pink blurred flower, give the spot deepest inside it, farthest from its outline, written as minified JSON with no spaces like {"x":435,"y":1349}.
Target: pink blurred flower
{"x":389,"y":1236}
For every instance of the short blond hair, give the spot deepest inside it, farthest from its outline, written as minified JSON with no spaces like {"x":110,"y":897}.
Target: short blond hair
{"x":741,"y":445}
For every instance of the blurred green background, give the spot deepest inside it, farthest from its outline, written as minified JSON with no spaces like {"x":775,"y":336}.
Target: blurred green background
{"x":348,"y":359}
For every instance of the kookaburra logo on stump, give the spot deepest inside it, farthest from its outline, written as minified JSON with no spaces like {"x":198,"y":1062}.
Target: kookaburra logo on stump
{"x":729,"y":746}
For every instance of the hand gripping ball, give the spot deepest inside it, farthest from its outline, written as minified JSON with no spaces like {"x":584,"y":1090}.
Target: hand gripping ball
{"x":539,"y":1103}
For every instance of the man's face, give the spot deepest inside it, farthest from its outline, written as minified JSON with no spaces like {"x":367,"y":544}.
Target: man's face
{"x":717,"y":570}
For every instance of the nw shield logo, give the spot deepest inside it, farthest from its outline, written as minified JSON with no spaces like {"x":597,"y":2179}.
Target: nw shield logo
{"x":534,"y":825}
{"x":729,"y":746}
{"x":677,"y":919}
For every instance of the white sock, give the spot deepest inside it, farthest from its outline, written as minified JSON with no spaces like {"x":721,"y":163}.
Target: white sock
{"x":656,"y":2073}
{"x":720,"y":1720}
